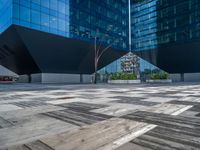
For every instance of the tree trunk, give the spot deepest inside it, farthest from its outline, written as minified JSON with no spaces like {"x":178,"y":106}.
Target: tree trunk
{"x":95,"y":61}
{"x":29,"y":78}
{"x":95,"y":77}
{"x":95,"y":73}
{"x":81,"y":78}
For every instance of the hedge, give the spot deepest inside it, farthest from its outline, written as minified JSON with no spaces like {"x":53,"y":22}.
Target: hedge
{"x":123,"y":76}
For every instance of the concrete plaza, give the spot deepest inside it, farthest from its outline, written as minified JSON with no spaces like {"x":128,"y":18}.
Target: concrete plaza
{"x":103,"y":116}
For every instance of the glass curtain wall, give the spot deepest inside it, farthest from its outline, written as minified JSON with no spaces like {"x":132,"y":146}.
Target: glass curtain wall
{"x":80,"y":19}
{"x":6,"y":18}
{"x":160,"y":22}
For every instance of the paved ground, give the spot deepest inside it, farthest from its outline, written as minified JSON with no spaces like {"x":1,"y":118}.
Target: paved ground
{"x":88,"y":117}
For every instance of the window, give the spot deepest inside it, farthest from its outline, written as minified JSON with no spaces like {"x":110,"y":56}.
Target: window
{"x":61,"y":7}
{"x":53,"y":4}
{"x":24,"y":14}
{"x":45,"y":3}
{"x":61,"y":25}
{"x":37,"y":1}
{"x":53,"y":22}
{"x":45,"y":20}
{"x":16,"y":11}
{"x":35,"y":17}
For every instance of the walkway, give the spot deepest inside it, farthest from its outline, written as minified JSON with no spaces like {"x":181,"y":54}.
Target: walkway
{"x":104,"y":117}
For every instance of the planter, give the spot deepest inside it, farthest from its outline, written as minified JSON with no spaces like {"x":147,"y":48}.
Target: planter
{"x":124,"y":81}
{"x":7,"y":82}
{"x":159,"y":81}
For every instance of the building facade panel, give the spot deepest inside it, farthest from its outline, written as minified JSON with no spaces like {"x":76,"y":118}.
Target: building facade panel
{"x":6,"y":14}
{"x":76,"y":19}
{"x":157,"y":22}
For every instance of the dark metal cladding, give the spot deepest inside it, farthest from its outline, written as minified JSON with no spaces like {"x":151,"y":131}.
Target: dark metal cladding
{"x":31,"y":51}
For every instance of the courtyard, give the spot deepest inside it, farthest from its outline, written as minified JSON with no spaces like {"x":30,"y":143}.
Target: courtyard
{"x":102,"y":116}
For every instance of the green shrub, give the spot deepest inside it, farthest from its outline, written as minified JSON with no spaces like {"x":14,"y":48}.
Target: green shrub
{"x":123,"y":76}
{"x":159,"y":76}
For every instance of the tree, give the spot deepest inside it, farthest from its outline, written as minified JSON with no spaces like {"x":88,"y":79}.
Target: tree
{"x":98,"y":52}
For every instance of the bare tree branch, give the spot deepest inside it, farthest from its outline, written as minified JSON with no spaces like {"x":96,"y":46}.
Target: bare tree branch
{"x":104,"y":50}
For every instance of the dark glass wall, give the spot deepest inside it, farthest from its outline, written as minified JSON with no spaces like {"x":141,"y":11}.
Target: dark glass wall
{"x":79,"y":19}
{"x":5,"y":14}
{"x":159,"y":22}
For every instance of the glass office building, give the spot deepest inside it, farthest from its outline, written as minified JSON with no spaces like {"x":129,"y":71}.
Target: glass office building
{"x":61,"y":28}
{"x":167,"y":33}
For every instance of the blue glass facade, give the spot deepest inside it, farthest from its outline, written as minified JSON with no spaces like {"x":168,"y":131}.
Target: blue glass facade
{"x":6,"y":18}
{"x":45,"y":15}
{"x":77,"y":19}
{"x":112,"y":68}
{"x":144,"y":65}
{"x":158,"y":22}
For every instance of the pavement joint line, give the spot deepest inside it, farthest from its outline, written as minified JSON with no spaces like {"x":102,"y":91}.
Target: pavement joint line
{"x":132,"y":135}
{"x":181,"y":110}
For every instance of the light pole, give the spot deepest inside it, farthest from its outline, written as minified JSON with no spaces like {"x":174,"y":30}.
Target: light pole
{"x":95,"y":60}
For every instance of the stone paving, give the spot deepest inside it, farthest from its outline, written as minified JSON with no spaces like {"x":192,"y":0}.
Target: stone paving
{"x":103,"y":117}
